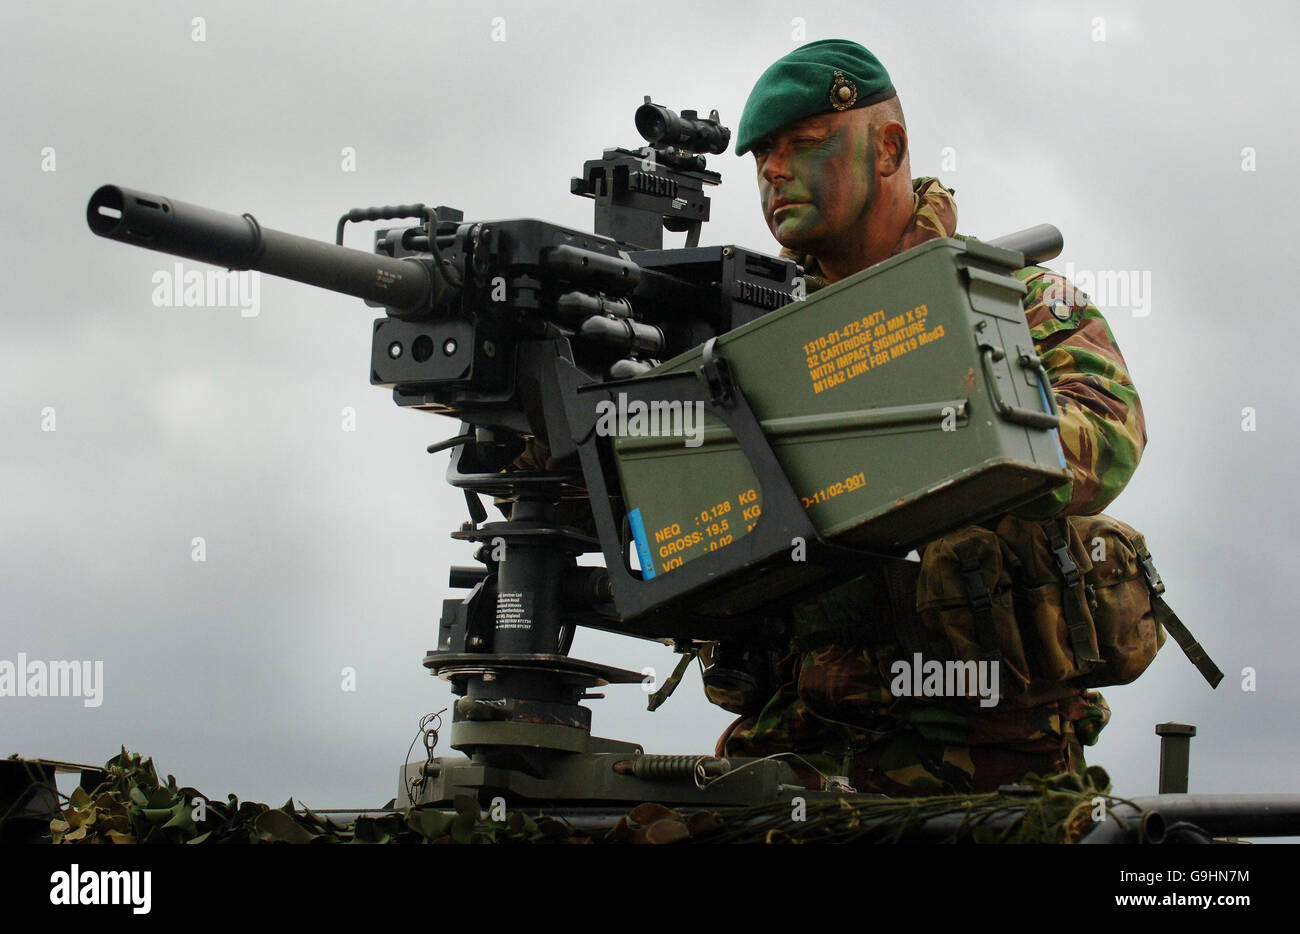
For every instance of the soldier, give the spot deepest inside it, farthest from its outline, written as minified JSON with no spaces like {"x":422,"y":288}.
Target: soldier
{"x":830,"y":146}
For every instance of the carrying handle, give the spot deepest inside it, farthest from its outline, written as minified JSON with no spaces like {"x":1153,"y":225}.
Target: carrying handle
{"x":989,"y":355}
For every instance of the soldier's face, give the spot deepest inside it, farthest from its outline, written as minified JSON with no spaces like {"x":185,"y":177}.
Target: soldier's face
{"x":816,"y":179}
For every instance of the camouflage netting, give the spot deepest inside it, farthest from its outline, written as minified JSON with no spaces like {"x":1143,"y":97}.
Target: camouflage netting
{"x":132,"y":805}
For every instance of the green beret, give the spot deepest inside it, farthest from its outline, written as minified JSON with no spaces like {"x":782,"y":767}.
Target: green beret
{"x":821,"y":77}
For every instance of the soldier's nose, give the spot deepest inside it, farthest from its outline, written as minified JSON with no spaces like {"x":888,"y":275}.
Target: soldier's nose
{"x":775,"y":169}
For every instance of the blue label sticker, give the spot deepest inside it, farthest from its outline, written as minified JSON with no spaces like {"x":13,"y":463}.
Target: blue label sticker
{"x":642,"y":545}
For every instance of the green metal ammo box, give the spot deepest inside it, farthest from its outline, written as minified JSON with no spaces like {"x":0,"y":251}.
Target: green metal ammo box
{"x":902,"y":402}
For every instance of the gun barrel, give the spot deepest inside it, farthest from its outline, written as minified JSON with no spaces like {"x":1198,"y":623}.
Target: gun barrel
{"x":240,"y":242}
{"x":1039,"y":243}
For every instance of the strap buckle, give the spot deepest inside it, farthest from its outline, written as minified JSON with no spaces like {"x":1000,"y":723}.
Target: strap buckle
{"x":1153,"y":576}
{"x":1064,"y":560}
{"x":977,"y":592}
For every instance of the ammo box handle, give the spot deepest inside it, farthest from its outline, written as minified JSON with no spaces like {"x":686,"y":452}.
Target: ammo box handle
{"x":989,"y":355}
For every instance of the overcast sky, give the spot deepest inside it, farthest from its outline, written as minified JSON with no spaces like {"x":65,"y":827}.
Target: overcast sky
{"x":1160,"y":138}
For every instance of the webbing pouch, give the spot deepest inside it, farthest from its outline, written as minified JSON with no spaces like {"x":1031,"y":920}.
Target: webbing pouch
{"x":1087,"y":591}
{"x":965,"y":605}
{"x":1128,"y":637}
{"x":1053,"y":597}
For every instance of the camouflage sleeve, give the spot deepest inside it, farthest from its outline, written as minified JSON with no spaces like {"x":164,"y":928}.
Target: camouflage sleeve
{"x":1102,"y":428}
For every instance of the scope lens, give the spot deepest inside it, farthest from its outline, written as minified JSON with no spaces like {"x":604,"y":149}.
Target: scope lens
{"x":651,"y":122}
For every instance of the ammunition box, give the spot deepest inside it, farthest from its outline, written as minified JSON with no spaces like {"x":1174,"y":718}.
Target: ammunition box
{"x":902,"y":402}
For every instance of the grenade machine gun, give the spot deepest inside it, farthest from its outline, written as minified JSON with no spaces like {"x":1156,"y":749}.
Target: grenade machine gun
{"x":884,"y":410}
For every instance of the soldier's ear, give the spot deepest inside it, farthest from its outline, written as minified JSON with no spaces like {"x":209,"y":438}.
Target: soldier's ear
{"x":890,"y":146}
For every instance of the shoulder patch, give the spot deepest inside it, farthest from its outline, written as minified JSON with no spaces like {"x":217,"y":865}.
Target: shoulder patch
{"x":1060,"y":310}
{"x":1052,"y":303}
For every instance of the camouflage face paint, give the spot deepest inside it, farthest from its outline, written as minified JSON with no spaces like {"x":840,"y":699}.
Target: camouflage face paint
{"x":816,"y":182}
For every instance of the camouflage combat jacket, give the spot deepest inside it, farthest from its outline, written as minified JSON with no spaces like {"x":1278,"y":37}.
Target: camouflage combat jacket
{"x":832,"y":704}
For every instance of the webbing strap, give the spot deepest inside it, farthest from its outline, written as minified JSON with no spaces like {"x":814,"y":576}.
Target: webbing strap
{"x":1082,"y":638}
{"x":979,"y":598}
{"x":1166,"y":617}
{"x":655,"y":700}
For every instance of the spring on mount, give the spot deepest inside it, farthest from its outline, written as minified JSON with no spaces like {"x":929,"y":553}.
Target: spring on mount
{"x":678,"y":767}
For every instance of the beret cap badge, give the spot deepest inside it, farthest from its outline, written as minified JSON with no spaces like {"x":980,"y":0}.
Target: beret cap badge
{"x":844,"y":93}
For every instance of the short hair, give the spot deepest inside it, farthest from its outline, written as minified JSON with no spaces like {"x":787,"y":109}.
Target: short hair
{"x":889,"y":111}
{"x":886,"y":110}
